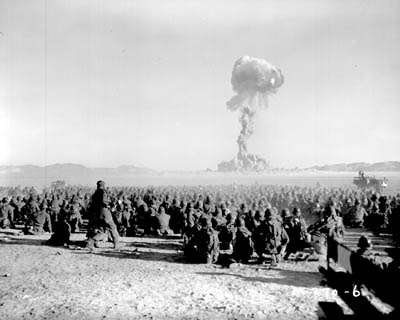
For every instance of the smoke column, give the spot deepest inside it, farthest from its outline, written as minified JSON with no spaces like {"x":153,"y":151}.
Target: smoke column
{"x":253,"y":80}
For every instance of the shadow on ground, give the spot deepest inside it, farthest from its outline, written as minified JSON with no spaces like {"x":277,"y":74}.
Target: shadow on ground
{"x":24,"y":241}
{"x":150,"y":255}
{"x":150,"y":249}
{"x":285,"y":277}
{"x":157,"y":246}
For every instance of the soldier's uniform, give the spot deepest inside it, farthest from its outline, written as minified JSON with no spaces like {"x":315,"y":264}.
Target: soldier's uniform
{"x":39,"y":221}
{"x":361,"y":269}
{"x":177,"y":217}
{"x":62,"y":233}
{"x":250,"y":220}
{"x":55,"y":207}
{"x":227,"y":233}
{"x":355,"y":217}
{"x":296,"y":229}
{"x":74,"y":219}
{"x":6,"y":214}
{"x":217,"y":220}
{"x":126,"y":218}
{"x":103,"y":217}
{"x":270,"y":238}
{"x":330,"y":226}
{"x":190,"y":231}
{"x":162,"y":221}
{"x":243,"y":246}
{"x":207,"y":243}
{"x":17,"y":205}
{"x":334,"y":224}
{"x":31,"y":207}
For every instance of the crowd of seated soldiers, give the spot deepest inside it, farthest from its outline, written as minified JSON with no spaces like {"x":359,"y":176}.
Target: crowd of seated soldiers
{"x":245,"y":219}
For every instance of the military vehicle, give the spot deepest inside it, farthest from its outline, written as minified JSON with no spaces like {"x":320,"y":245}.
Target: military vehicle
{"x":58,"y":185}
{"x":369,"y":183}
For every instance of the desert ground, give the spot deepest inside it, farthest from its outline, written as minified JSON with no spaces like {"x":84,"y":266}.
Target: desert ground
{"x":148,"y":279}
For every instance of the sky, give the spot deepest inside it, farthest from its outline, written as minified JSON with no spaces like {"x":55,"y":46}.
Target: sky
{"x":145,"y":83}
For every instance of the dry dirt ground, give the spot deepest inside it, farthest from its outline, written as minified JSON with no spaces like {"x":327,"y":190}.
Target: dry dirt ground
{"x":148,"y":279}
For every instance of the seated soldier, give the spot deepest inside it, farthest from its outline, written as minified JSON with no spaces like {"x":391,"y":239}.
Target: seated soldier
{"x":62,"y":233}
{"x":243,"y":245}
{"x":151,"y":219}
{"x":365,"y":251}
{"x":259,"y":217}
{"x":355,"y":216}
{"x":127,"y":212}
{"x":39,"y":221}
{"x":250,"y":220}
{"x":286,"y":218}
{"x":54,"y":209}
{"x":384,"y":211}
{"x":207,"y":242}
{"x":333,"y":224}
{"x":375,"y":219}
{"x":17,"y":205}
{"x":74,"y":219}
{"x":6,"y":214}
{"x":162,"y":222}
{"x":122,"y":218}
{"x":190,"y":237}
{"x":141,"y":215}
{"x":360,"y":266}
{"x":296,"y":229}
{"x":227,"y":233}
{"x":270,"y":238}
{"x":191,"y":227}
{"x":329,"y":226}
{"x":364,"y":248}
{"x":177,"y":217}
{"x":217,"y":220}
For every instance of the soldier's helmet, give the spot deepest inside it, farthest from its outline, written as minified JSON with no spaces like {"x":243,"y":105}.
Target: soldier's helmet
{"x":4,"y":200}
{"x":296,"y":212}
{"x":285,"y":213}
{"x":259,"y":215}
{"x":364,"y":243}
{"x":101,"y":184}
{"x":269,"y":213}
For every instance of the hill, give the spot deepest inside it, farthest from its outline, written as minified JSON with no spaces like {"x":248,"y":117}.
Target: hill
{"x":392,"y":166}
{"x":69,"y":172}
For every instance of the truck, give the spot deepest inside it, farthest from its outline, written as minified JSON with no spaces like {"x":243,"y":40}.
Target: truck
{"x":370,"y":183}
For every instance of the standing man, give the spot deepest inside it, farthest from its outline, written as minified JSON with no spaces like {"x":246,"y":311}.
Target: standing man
{"x":102,"y":217}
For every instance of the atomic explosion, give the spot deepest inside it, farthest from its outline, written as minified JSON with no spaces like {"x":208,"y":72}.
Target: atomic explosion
{"x":253,"y":80}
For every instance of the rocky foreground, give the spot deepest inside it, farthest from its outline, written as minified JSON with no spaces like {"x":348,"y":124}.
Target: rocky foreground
{"x":148,"y":279}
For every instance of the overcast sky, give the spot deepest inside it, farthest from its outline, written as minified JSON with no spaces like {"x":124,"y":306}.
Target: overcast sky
{"x":106,"y":83}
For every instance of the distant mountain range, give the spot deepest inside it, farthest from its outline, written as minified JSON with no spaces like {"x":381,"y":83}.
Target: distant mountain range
{"x":357,"y":166}
{"x":69,"y":171}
